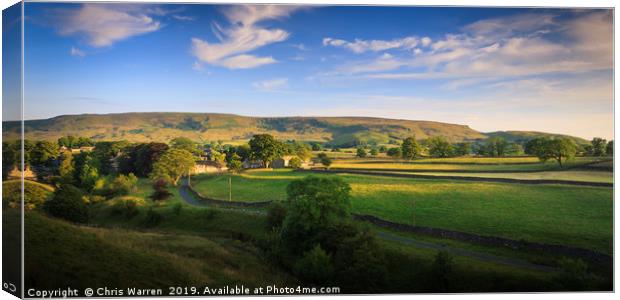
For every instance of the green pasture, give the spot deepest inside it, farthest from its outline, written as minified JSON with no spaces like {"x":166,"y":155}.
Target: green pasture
{"x":561,"y":214}
{"x":459,"y":163}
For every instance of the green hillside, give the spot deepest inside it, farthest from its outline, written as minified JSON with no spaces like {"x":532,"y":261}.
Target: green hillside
{"x":337,"y":131}
{"x":523,"y":136}
{"x":141,"y":127}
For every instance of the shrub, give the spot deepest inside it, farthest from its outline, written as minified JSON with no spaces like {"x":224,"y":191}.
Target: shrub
{"x":127,"y":206}
{"x":315,"y":266}
{"x":275,"y":215}
{"x":161,"y":191}
{"x":359,"y":262}
{"x":294,"y":163}
{"x":314,"y":203}
{"x":68,"y":203}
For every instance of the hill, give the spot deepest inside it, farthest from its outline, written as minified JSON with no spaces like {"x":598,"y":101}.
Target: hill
{"x":335,"y":131}
{"x":142,"y":127}
{"x":59,"y":252}
{"x":524,"y":136}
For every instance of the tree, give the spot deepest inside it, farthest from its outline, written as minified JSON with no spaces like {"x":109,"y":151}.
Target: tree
{"x":44,"y":152}
{"x":438,"y":146}
{"x":266,"y":148}
{"x":67,"y":167}
{"x":294,"y":163}
{"x":160,"y":190}
{"x":67,"y":203}
{"x":303,"y":151}
{"x":374,"y":152}
{"x":361,"y":152}
{"x":234,"y":163}
{"x":172,"y":165}
{"x":326,"y":161}
{"x":598,"y":146}
{"x":394,"y":152}
{"x":462,"y":149}
{"x":89,"y":173}
{"x":139,"y":159}
{"x":317,"y":147}
{"x":496,"y":146}
{"x":558,"y":149}
{"x":535,"y":146}
{"x":410,"y":149}
{"x":609,"y":150}
{"x":186,"y":144}
{"x":315,"y":266}
{"x":314,"y":203}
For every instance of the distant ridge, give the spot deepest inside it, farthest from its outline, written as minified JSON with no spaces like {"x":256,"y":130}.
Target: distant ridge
{"x":164,"y":126}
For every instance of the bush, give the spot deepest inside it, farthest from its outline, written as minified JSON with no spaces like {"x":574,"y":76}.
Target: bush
{"x":295,"y":163}
{"x":275,"y":215}
{"x":152,"y":218}
{"x":127,"y":206}
{"x":68,"y":203}
{"x":360,"y":263}
{"x":161,"y":191}
{"x":314,"y":203}
{"x":35,"y":194}
{"x":315,"y":266}
{"x":120,"y":185}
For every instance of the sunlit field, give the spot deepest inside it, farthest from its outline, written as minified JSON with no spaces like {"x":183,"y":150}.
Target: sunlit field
{"x":579,"y":216}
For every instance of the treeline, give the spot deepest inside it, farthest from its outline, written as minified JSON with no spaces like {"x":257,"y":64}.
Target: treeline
{"x":439,"y":147}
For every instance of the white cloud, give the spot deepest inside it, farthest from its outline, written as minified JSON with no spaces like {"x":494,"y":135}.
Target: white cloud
{"x":77,"y":52}
{"x":103,"y":25}
{"x":272,"y":84}
{"x":183,"y":18}
{"x":521,"y":45}
{"x":361,"y":46}
{"x":242,"y":36}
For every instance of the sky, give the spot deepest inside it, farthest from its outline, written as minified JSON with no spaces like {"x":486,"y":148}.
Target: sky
{"x":490,"y":68}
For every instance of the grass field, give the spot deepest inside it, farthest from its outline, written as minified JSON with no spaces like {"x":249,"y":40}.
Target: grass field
{"x":584,"y":176}
{"x":458,"y":163}
{"x":570,"y":215}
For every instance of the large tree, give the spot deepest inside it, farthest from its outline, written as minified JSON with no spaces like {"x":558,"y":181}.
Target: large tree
{"x":438,"y":146}
{"x":496,"y":146}
{"x":185,"y":144}
{"x":558,"y":149}
{"x":609,"y":150}
{"x":315,"y":203}
{"x":266,"y":148}
{"x":410,"y":148}
{"x":172,"y":165}
{"x":599,"y":146}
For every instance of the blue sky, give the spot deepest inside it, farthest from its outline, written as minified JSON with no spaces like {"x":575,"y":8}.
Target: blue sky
{"x":493,"y":69}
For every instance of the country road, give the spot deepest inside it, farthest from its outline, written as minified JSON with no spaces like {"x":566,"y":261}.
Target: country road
{"x":190,"y":199}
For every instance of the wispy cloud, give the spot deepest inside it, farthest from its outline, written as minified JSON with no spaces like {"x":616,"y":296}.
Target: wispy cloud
{"x":361,"y":46}
{"x":105,"y":24}
{"x":243,"y":35}
{"x":183,"y":18}
{"x":272,"y":84}
{"x":77,"y":52}
{"x":522,"y":45}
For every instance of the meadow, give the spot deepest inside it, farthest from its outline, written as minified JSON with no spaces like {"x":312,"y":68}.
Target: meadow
{"x":560,"y":214}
